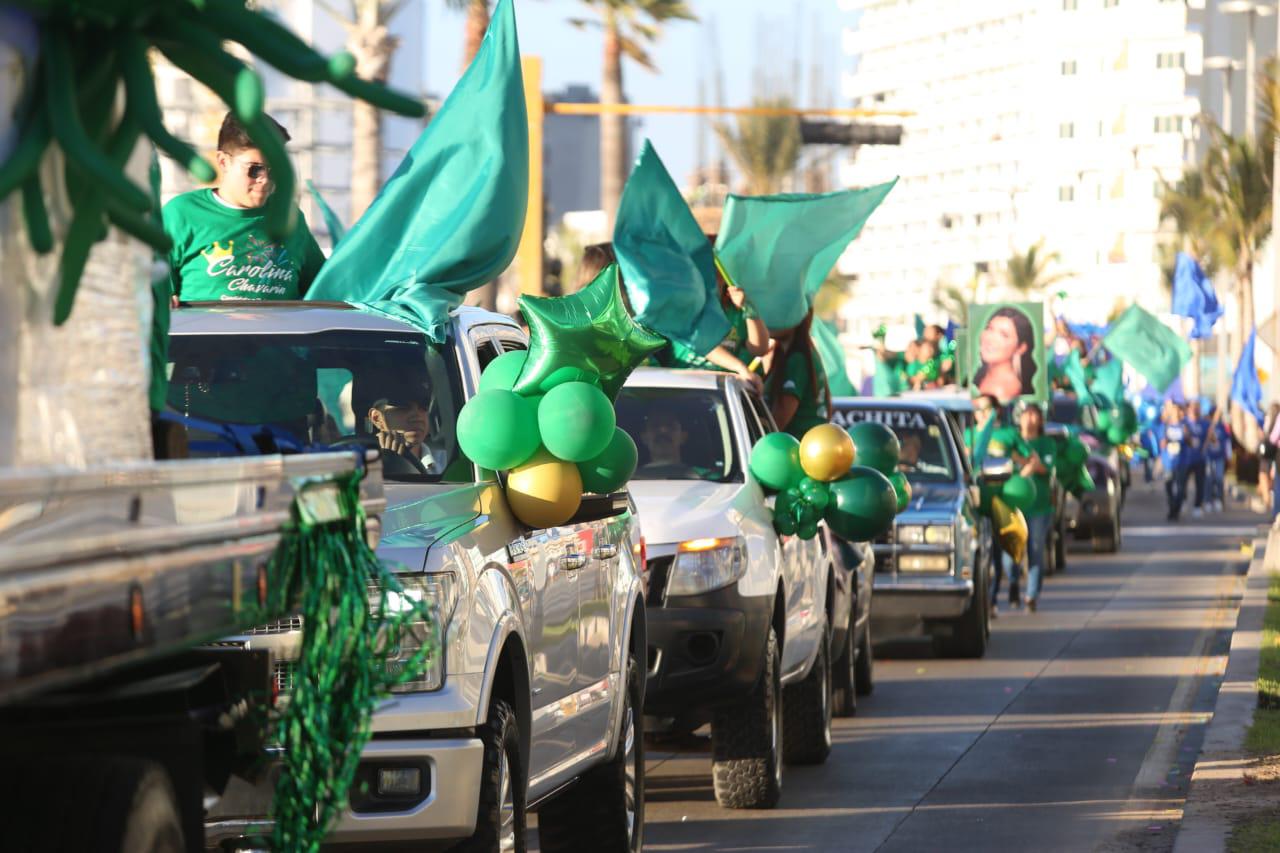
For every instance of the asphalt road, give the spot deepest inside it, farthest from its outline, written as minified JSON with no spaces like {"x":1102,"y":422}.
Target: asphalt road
{"x":1077,"y":731}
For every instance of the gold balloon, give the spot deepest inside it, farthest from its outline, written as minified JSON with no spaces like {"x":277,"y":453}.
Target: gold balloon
{"x":1011,"y":527}
{"x":544,"y":492}
{"x":826,"y":453}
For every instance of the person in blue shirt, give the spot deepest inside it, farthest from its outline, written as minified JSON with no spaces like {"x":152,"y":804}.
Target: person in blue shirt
{"x":1174,"y":457}
{"x":1217,"y":452}
{"x":1198,"y":434}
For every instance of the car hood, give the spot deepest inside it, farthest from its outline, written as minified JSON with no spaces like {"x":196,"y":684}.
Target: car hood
{"x":678,"y":510}
{"x":419,"y":516}
{"x":932,"y":499}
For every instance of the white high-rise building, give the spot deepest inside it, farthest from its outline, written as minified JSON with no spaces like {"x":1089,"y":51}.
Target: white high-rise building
{"x":1051,"y":120}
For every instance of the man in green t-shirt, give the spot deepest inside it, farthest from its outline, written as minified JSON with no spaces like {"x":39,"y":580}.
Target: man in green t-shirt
{"x":221,"y":249}
{"x":1034,"y":452}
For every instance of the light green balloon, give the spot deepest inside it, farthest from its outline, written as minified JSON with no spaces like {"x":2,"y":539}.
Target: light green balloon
{"x":498,"y":429}
{"x":503,"y":371}
{"x":775,"y":461}
{"x":576,"y":421}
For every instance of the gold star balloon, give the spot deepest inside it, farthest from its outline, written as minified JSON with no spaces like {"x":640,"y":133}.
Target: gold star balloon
{"x":587,"y":336}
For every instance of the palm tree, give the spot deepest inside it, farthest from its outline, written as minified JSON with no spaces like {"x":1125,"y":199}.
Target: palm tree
{"x":1027,"y":273}
{"x":765,"y":148}
{"x":952,"y":301}
{"x":477,"y":23}
{"x":630,"y":26}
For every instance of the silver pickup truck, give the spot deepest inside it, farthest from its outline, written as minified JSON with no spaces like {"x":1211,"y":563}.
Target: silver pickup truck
{"x":535,"y":700}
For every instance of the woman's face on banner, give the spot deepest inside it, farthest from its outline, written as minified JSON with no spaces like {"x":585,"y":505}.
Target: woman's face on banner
{"x":999,"y":341}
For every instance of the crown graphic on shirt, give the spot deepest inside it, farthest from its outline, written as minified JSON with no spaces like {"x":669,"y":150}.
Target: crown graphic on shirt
{"x":218,"y":251}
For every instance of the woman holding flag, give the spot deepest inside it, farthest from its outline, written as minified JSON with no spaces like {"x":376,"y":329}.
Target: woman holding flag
{"x":796,"y":386}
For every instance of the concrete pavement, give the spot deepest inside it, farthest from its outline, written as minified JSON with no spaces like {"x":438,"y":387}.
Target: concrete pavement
{"x":1076,"y":732}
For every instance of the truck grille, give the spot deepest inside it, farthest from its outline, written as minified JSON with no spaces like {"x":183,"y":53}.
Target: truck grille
{"x":283,"y":626}
{"x":284,"y":674}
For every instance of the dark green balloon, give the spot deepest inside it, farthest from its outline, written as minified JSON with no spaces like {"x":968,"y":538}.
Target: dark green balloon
{"x":875,"y":446}
{"x":815,"y":493}
{"x":863,"y":504}
{"x":784,"y":524}
{"x":807,"y":513}
{"x":1073,"y":452}
{"x":1117,"y":434}
{"x":503,"y":371}
{"x":612,"y":468}
{"x":1018,"y":492}
{"x":1128,"y":417}
{"x":775,"y":461}
{"x":807,"y":529}
{"x":1103,"y":420}
{"x":576,"y":421}
{"x":901,"y":489}
{"x":498,"y":429}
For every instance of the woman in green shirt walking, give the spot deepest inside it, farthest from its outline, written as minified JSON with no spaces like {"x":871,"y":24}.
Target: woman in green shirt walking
{"x":1034,"y":452}
{"x":796,"y":387}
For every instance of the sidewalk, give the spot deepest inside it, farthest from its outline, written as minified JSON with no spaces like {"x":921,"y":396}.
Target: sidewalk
{"x":1223,"y":791}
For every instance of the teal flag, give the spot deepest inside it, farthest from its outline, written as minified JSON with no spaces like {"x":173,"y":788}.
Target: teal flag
{"x":668,"y":265}
{"x":1074,"y":370}
{"x":831,"y":353}
{"x":779,"y":248}
{"x":1108,"y":382}
{"x":331,"y":221}
{"x":450,"y":218}
{"x":1150,"y":347}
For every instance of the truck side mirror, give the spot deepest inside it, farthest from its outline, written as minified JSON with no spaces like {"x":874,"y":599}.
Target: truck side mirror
{"x":995,"y":471}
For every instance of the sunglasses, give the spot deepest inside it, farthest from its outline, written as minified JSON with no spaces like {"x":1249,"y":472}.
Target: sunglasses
{"x":257,"y":171}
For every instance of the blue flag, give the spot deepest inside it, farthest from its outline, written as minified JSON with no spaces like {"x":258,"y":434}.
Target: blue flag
{"x":1194,"y":297}
{"x":1245,"y":387}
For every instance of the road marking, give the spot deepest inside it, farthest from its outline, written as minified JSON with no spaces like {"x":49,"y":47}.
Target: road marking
{"x":1164,"y":530}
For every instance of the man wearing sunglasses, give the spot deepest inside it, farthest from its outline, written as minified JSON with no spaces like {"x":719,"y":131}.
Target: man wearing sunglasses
{"x":221,"y":249}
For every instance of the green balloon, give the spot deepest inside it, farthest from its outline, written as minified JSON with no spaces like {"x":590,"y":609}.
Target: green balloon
{"x":1128,"y":416}
{"x":876,"y":446}
{"x":815,"y":493}
{"x":498,"y":429}
{"x":807,"y":530}
{"x":863,"y":504}
{"x":503,"y":371}
{"x":577,"y":421}
{"x":807,"y":513}
{"x":1103,"y":420}
{"x":901,"y":489}
{"x":561,"y":375}
{"x":1073,"y":452}
{"x":775,"y":461}
{"x":1117,"y":434}
{"x":784,"y":524}
{"x":612,"y":468}
{"x":1018,"y":492}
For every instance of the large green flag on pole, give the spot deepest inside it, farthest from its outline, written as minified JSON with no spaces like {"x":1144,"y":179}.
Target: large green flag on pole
{"x":668,"y":266}
{"x":331,"y":221}
{"x":1108,"y":382}
{"x":1150,"y":347}
{"x":831,"y":353}
{"x":1074,"y":370}
{"x":450,"y":218}
{"x":779,"y":248}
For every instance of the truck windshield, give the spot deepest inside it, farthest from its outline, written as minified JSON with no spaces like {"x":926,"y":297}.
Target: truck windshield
{"x":681,"y":434}
{"x":251,"y":394}
{"x":926,"y":449}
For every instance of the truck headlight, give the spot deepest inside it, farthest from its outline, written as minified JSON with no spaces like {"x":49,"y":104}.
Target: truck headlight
{"x":702,"y":565}
{"x":434,"y":594}
{"x":924,"y":534}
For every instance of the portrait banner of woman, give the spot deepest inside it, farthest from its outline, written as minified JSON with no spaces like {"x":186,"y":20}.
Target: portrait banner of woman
{"x":1006,"y":355}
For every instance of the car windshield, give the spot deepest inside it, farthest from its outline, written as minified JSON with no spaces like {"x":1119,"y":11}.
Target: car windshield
{"x":926,"y":450}
{"x":1064,"y":410}
{"x":681,"y":434}
{"x":242,"y":395}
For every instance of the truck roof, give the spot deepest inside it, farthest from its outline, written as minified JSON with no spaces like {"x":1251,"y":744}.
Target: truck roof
{"x":671,"y":377}
{"x":293,"y":317}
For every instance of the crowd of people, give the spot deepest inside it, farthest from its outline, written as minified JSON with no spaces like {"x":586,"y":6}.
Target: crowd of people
{"x":1188,"y":444}
{"x":928,"y":361}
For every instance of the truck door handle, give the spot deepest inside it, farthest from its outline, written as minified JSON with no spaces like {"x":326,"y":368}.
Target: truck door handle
{"x":606,"y":552}
{"x":571,"y":562}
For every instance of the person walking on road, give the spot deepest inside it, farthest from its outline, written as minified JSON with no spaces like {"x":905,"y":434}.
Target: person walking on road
{"x":1217,"y":453}
{"x":1174,"y":458}
{"x":1198,"y":427}
{"x":1034,"y":452}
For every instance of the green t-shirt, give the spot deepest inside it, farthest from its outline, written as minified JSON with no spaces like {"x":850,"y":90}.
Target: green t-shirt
{"x":735,"y":342}
{"x":222,"y":252}
{"x":813,"y":409}
{"x":1047,"y":449}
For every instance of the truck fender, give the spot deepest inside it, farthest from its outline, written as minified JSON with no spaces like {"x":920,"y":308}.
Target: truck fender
{"x":634,"y":630}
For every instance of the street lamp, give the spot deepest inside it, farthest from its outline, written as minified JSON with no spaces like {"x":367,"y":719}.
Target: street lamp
{"x":1227,"y":66}
{"x":1254,"y":11}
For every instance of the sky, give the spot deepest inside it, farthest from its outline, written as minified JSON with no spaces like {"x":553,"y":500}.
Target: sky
{"x":768,"y":33}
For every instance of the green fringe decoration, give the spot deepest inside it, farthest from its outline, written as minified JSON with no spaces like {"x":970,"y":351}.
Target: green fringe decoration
{"x":324,"y":563}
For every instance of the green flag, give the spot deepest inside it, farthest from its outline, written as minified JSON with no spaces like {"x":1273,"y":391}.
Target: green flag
{"x":1148,"y":346}
{"x":1074,"y":369}
{"x":779,"y":248}
{"x":1108,"y":382}
{"x":450,"y":218}
{"x":668,"y":266}
{"x":832,"y":356}
{"x":331,"y":221}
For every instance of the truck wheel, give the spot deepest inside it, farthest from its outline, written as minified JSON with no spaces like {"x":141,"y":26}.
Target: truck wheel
{"x":134,"y":807}
{"x":1060,"y":552}
{"x":604,"y":810}
{"x":844,"y":677}
{"x":969,"y":632}
{"x":746,"y":742}
{"x":1108,"y":542}
{"x":500,"y":817}
{"x":864,"y":680}
{"x":806,"y":735}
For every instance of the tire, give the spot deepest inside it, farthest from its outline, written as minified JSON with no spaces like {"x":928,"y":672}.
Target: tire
{"x":127,"y":806}
{"x":806,"y":731}
{"x":1109,"y":542}
{"x":604,"y":810}
{"x":746,"y":741}
{"x":844,"y":676}
{"x":864,"y":671}
{"x":500,"y":816}
{"x":1059,"y":552}
{"x":970,"y":631}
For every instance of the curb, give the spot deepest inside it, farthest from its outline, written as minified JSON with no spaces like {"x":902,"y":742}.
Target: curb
{"x":1207,"y":818}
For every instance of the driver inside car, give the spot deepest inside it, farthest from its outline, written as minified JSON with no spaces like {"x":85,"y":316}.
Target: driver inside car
{"x":402,"y":426}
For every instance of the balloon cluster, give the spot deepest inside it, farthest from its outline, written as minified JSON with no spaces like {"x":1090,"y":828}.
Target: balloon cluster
{"x":553,"y":445}
{"x":1116,"y":424}
{"x":816,"y":478}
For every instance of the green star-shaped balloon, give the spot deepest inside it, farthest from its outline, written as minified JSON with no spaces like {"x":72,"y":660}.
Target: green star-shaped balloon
{"x":586,"y":336}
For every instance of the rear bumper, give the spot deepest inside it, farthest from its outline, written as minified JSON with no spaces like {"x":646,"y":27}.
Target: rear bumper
{"x":898,"y":598}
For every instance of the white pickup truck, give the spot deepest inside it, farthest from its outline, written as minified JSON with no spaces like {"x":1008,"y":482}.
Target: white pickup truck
{"x":535,"y":701}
